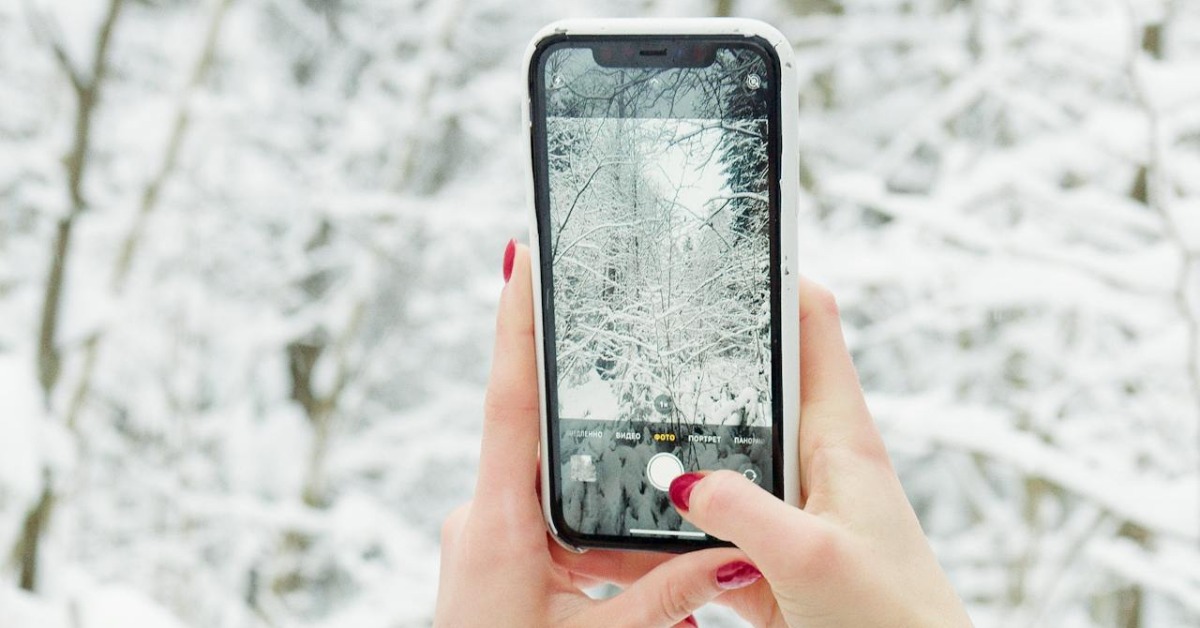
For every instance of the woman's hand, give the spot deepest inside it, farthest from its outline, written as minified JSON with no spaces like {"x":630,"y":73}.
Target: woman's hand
{"x":499,"y":567}
{"x":855,"y":554}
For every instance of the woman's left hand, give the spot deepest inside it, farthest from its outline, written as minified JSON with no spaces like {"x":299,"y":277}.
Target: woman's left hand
{"x":499,"y":566}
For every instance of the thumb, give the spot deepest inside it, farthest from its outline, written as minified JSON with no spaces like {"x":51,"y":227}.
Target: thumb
{"x":668,"y":594}
{"x":783,"y":541}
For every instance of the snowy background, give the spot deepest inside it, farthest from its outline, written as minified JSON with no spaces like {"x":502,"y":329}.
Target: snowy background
{"x":250,"y":249}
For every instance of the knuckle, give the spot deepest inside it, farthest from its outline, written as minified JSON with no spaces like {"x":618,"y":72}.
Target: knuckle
{"x":495,"y":402}
{"x":674,"y":601}
{"x":825,"y":551}
{"x":846,"y":459}
{"x":850,"y":452}
{"x":503,"y":404}
{"x":717,"y":493}
{"x":493,"y":405}
{"x":876,"y":454}
{"x":821,"y":559}
{"x":820,"y":301}
{"x":454,"y":523}
{"x":864,"y":452}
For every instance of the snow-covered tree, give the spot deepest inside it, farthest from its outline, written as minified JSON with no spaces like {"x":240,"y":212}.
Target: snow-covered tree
{"x":249,"y":254}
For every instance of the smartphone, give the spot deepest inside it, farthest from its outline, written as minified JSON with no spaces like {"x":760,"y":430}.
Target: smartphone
{"x":663,"y":186}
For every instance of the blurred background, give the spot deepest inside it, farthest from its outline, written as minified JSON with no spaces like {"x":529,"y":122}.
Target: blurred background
{"x":250,"y":250}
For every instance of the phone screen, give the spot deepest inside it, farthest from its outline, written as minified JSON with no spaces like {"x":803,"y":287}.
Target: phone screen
{"x":656,"y":167}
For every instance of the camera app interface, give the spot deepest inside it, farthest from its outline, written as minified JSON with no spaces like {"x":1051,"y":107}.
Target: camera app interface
{"x":659,"y":245}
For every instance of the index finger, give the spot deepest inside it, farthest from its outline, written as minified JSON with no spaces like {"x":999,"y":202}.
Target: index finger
{"x":832,"y":408}
{"x":508,"y":453}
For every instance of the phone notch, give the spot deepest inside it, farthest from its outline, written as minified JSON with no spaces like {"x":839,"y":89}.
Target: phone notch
{"x":654,"y":54}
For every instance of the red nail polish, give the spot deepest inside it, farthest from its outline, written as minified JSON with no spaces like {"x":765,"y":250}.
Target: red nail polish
{"x":681,"y":489}
{"x":737,"y":575}
{"x":510,"y":254}
{"x":691,"y":621}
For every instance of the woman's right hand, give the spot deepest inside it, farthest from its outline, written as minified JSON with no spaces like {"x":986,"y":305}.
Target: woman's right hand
{"x":855,"y":554}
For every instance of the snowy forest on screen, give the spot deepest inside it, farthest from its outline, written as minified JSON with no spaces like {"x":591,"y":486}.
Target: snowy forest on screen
{"x":250,"y":253}
{"x":659,"y":245}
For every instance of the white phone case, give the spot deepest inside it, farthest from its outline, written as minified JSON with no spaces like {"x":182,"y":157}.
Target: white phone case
{"x":788,"y":186}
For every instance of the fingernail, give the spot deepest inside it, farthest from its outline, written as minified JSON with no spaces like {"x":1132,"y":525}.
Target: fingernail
{"x":737,"y":575}
{"x":510,"y":253}
{"x":691,"y":621}
{"x":681,"y":489}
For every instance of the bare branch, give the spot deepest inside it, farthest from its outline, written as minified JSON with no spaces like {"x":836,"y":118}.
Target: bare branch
{"x":44,"y":27}
{"x":1159,"y":199}
{"x":583,"y":188}
{"x":153,"y":190}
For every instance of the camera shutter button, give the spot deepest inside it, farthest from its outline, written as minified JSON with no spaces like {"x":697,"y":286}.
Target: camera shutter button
{"x":663,"y":468}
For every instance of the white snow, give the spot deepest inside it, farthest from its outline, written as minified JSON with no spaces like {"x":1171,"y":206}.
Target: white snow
{"x":593,"y":399}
